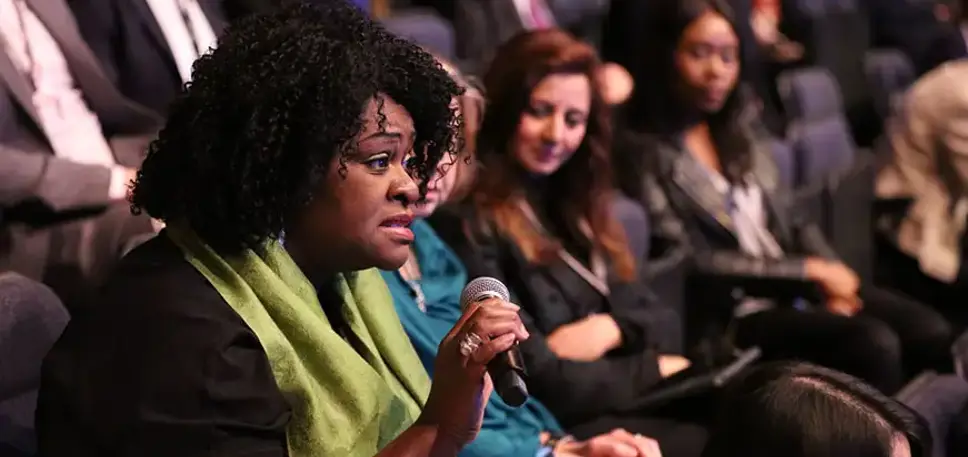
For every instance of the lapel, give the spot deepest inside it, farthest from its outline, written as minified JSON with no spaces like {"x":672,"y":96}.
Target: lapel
{"x":151,"y":24}
{"x":99,"y":93}
{"x":507,"y":19}
{"x":694,"y":181}
{"x":18,"y":85}
{"x":148,"y":20}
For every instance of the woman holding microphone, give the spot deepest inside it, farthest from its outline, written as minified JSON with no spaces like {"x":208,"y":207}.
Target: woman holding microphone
{"x":256,"y":323}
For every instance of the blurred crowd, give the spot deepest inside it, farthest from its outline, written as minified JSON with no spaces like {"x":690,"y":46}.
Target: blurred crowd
{"x":661,"y":184}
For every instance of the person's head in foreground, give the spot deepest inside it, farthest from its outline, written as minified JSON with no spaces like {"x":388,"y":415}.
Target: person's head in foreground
{"x":324,"y":128}
{"x":794,"y":409}
{"x":287,"y":171}
{"x":547,"y":130}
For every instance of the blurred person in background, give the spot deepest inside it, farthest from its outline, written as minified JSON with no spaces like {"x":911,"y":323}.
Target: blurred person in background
{"x":256,"y":323}
{"x":694,"y":154}
{"x":70,"y":144}
{"x":147,"y":47}
{"x":794,"y":409}
{"x":539,"y":218}
{"x":426,"y":291}
{"x":929,"y":166}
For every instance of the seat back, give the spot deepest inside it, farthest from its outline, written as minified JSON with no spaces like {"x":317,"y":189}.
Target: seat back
{"x":31,"y":320}
{"x":635,"y":222}
{"x":938,"y":399}
{"x":889,"y":74}
{"x":583,"y":18}
{"x":848,"y":215}
{"x":836,"y":36}
{"x":425,"y":27}
{"x":669,"y":336}
{"x":785,"y":161}
{"x":818,"y":131}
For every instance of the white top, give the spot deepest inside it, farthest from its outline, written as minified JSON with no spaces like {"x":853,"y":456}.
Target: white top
{"x":750,"y":224}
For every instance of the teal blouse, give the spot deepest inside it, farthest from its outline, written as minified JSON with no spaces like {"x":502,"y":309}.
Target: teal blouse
{"x":507,"y":431}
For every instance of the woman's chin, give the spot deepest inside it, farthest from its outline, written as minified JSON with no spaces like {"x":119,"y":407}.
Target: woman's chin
{"x":393,"y":259}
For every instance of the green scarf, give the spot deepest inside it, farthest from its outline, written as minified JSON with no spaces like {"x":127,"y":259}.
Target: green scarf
{"x":344,"y":402}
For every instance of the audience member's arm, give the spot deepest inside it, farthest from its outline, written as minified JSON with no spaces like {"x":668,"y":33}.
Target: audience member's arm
{"x":57,"y":183}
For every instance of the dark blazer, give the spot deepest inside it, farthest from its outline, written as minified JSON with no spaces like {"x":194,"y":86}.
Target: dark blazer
{"x":552,"y":296}
{"x":131,"y":46}
{"x":162,"y":366}
{"x":690,"y":219}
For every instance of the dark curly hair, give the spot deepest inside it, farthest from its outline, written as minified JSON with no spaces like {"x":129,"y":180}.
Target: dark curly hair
{"x":255,"y":132}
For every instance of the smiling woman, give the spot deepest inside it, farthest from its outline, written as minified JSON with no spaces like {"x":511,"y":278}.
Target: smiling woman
{"x":214,"y":338}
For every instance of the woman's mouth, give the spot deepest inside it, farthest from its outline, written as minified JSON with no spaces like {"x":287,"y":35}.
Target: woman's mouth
{"x":398,"y":227}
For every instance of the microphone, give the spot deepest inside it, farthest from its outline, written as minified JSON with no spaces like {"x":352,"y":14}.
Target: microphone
{"x":507,"y":369}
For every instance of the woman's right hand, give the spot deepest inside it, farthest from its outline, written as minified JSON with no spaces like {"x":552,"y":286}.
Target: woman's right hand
{"x":836,"y":279}
{"x":617,"y":443}
{"x":672,"y":364}
{"x":461,"y":386}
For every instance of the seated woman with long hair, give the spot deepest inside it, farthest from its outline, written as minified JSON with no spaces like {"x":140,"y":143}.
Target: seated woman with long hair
{"x":696,"y":158}
{"x":426,"y":291}
{"x":256,"y":323}
{"x":538,"y":218}
{"x":794,"y":409}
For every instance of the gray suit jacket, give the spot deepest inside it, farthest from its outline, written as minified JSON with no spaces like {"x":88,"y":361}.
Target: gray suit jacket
{"x":690,"y":220}
{"x":929,"y":140}
{"x":29,"y":171}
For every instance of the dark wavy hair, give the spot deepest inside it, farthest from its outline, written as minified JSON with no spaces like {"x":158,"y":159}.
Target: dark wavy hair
{"x":795,"y":409}
{"x":254,"y":134}
{"x":655,"y":106}
{"x":582,"y":188}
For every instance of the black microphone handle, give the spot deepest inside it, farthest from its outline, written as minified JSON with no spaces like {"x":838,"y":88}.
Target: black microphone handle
{"x":508,"y":375}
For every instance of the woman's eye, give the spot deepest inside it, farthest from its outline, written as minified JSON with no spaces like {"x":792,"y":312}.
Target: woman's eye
{"x":379,"y":162}
{"x":539,"y":110}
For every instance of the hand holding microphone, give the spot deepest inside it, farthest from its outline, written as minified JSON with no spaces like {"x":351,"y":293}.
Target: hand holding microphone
{"x":489,"y":327}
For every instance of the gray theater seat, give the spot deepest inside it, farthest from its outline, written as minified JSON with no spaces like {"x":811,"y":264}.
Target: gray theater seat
{"x":836,"y":36}
{"x":31,"y":320}
{"x":425,"y":27}
{"x":832,"y":178}
{"x":939,"y":399}
{"x":819,"y":132}
{"x":889,"y":73}
{"x":668,"y":289}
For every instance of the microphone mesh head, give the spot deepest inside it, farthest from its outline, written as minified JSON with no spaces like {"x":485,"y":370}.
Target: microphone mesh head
{"x":481,"y":288}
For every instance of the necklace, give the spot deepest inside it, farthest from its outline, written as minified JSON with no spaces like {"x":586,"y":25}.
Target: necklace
{"x":410,"y":273}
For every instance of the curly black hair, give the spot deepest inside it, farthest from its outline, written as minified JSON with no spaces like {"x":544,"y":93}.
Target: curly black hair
{"x":252,"y":136}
